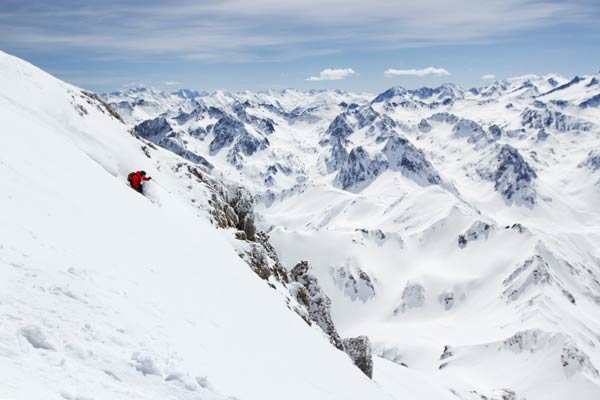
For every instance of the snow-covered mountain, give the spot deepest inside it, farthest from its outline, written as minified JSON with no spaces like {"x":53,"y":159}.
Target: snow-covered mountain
{"x":448,"y":237}
{"x":107,"y":294}
{"x":457,"y":229}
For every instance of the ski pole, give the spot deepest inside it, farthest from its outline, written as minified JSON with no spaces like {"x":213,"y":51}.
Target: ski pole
{"x":154,"y":180}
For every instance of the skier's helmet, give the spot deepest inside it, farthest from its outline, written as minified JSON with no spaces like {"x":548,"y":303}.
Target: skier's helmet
{"x":143,"y":173}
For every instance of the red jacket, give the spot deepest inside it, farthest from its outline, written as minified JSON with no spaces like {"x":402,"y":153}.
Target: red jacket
{"x":137,"y":179}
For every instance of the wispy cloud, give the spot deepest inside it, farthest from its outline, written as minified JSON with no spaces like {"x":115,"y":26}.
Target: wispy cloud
{"x":488,"y":77}
{"x":171,"y":83}
{"x":416,"y":72}
{"x":243,"y":31}
{"x":332,"y":74}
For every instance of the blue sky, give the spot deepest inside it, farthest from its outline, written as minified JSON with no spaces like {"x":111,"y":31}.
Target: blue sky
{"x":274,"y":44}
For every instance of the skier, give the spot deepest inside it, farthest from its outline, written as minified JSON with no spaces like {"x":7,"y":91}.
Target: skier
{"x":135,"y":179}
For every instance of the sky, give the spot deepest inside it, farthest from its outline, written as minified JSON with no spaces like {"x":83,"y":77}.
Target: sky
{"x":363,"y":46}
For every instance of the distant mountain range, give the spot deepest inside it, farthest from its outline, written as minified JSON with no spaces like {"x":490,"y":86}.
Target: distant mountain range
{"x":458,"y":229}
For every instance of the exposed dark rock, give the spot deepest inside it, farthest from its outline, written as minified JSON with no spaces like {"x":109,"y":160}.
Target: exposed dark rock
{"x":534,"y":271}
{"x":593,"y":101}
{"x":229,"y":130}
{"x":357,"y":285}
{"x":495,"y":131}
{"x":477,"y":231}
{"x":103,"y":106}
{"x":469,"y":129}
{"x":573,"y":359}
{"x":572,"y":82}
{"x":225,"y":131}
{"x":444,"y":117}
{"x":365,"y":116}
{"x":402,"y":156}
{"x":446,"y":299}
{"x":514,"y":178}
{"x":157,"y":127}
{"x":413,"y":296}
{"x":319,"y":304}
{"x":398,"y":154}
{"x":359,"y":168}
{"x":339,"y":155}
{"x":424,"y":126}
{"x":176,"y":147}
{"x":248,"y":144}
{"x":198,"y":133}
{"x":359,"y":350}
{"x":518,"y":227}
{"x":264,"y":125}
{"x":242,"y":203}
{"x":389,"y":94}
{"x":545,"y":118}
{"x":339,"y":127}
{"x":542,"y":135}
{"x":592,"y":161}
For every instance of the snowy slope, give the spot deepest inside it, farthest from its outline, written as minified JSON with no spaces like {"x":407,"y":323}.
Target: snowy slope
{"x":107,"y":295}
{"x":458,"y":229}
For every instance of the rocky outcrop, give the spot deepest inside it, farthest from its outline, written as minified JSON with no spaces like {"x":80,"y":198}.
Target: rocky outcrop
{"x":514,"y":178}
{"x":413,"y":296}
{"x":384,"y":127}
{"x":495,"y":131}
{"x":365,"y":116}
{"x":398,"y":154}
{"x":469,"y":129}
{"x":545,"y":118}
{"x":356,"y":284}
{"x":157,"y":127}
{"x":264,"y":125}
{"x":359,"y":169}
{"x":574,"y":360}
{"x":227,"y":130}
{"x":444,"y":117}
{"x":591,"y":162}
{"x":359,"y":118}
{"x":534,"y":272}
{"x":339,"y":154}
{"x":359,"y":350}
{"x":447,"y":299}
{"x":402,"y":156}
{"x":339,"y":127}
{"x":593,"y":101}
{"x":424,"y":126}
{"x":102,"y":105}
{"x":389,"y":94}
{"x":319,"y":311}
{"x":171,"y":142}
{"x":478,"y":231}
{"x":316,"y":301}
{"x":160,"y":132}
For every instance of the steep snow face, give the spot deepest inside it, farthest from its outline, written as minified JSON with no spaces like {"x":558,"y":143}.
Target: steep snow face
{"x":109,"y":294}
{"x":450,"y":226}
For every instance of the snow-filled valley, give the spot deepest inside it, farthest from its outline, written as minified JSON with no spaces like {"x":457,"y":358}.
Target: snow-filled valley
{"x":451,"y":240}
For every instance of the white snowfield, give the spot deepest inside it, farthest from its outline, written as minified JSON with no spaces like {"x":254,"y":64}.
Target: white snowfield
{"x":458,"y":229}
{"x":107,"y":295}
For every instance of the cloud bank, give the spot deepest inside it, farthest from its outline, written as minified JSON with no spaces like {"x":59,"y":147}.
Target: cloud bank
{"x":488,"y":77}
